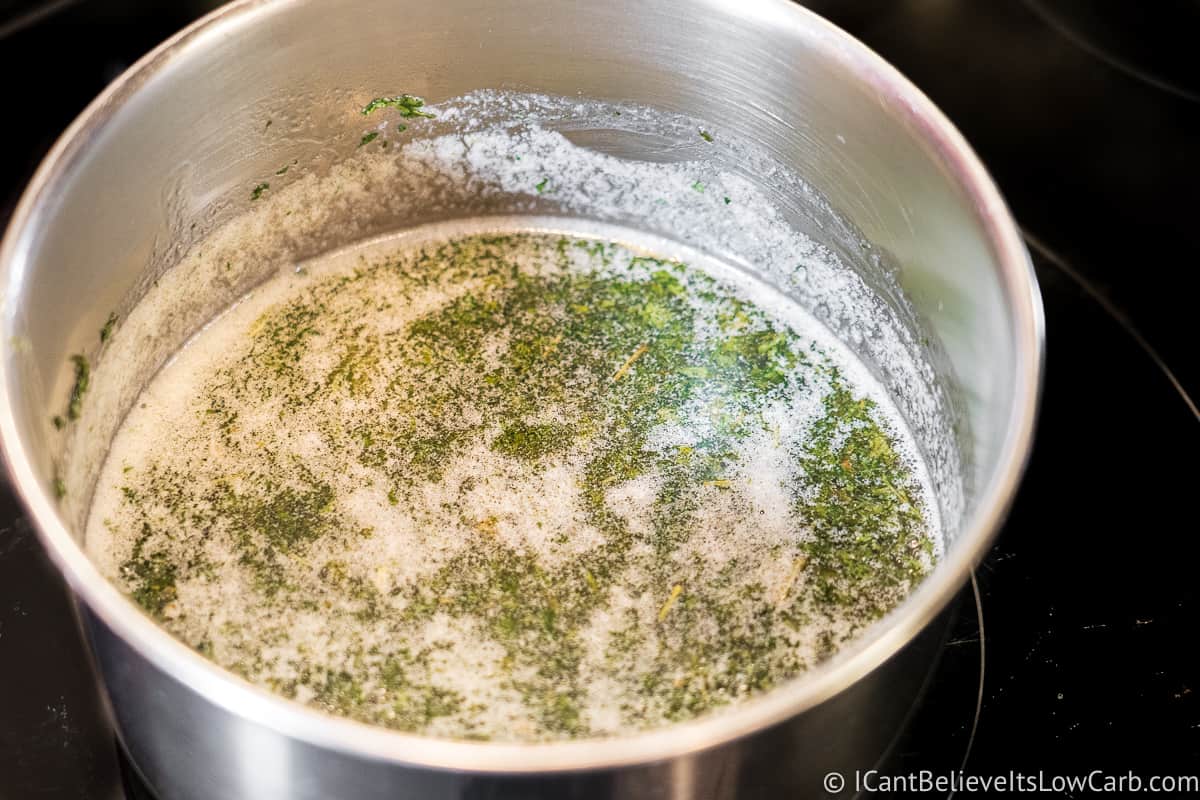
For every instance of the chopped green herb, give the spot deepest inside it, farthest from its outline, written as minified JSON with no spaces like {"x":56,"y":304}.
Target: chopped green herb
{"x":153,"y":574}
{"x":368,"y":138}
{"x":532,"y":442}
{"x":258,"y":190}
{"x":698,"y":186}
{"x":408,"y":105}
{"x":869,"y":547}
{"x":705,"y":135}
{"x":83,"y":378}
{"x":541,"y":185}
{"x":107,"y":330}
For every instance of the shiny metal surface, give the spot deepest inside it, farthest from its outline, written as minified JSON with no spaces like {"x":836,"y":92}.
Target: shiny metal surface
{"x":174,"y":143}
{"x":187,"y":747}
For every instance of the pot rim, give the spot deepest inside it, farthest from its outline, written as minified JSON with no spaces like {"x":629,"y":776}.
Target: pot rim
{"x":290,"y":718}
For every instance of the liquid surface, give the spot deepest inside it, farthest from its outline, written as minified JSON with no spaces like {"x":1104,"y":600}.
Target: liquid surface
{"x":515,"y":486}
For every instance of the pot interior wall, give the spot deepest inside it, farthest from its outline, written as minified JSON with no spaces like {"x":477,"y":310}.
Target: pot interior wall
{"x":283,"y":83}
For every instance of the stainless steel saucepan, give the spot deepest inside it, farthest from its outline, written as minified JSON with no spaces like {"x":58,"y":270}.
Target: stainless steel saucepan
{"x":169,"y":152}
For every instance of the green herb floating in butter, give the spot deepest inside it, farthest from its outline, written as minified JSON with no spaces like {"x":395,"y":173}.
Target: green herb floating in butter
{"x":519,"y":486}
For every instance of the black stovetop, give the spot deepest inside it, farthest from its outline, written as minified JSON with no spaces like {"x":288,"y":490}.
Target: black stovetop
{"x":1081,"y":626}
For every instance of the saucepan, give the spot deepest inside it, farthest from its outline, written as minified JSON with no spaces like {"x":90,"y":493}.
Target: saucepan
{"x":170,"y":152}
